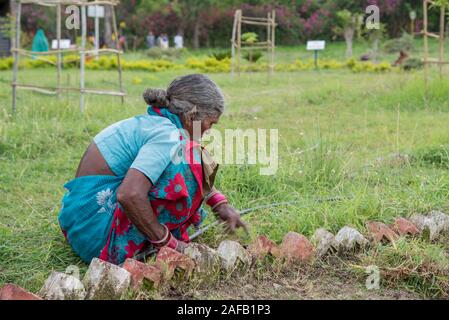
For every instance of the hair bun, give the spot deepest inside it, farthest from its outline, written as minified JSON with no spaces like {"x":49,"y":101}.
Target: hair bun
{"x":156,"y":98}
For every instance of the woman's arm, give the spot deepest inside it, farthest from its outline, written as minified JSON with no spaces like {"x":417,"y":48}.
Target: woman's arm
{"x":133,"y":196}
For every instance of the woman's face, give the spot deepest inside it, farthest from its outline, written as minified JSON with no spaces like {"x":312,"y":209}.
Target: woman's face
{"x":196,"y":129}
{"x":206,"y":124}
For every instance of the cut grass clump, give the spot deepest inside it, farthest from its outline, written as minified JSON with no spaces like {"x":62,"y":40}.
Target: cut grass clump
{"x":435,"y":156}
{"x":420,"y":266}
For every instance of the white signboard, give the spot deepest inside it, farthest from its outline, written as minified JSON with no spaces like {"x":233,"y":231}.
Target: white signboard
{"x":63,"y":44}
{"x":95,"y":11}
{"x":316,"y":45}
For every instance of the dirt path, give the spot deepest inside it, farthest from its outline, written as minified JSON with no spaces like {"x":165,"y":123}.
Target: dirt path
{"x":317,"y":283}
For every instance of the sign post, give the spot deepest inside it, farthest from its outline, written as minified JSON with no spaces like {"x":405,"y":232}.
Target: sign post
{"x":316,"y":46}
{"x":96,"y":12}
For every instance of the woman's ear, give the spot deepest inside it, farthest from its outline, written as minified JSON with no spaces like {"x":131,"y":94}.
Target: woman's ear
{"x":193,"y":114}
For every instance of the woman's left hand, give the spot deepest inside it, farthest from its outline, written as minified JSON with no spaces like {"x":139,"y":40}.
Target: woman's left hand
{"x":227,"y":213}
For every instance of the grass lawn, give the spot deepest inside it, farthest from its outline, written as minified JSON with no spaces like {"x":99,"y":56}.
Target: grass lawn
{"x":337,"y":133}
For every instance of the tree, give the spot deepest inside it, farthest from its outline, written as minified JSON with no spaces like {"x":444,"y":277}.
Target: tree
{"x":108,"y":27}
{"x":190,"y":11}
{"x":346,"y":25}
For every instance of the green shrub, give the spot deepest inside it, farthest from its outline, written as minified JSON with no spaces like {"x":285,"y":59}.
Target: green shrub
{"x":412,"y":63}
{"x":250,"y":37}
{"x":253,"y":56}
{"x":404,"y":43}
{"x":221,"y":55}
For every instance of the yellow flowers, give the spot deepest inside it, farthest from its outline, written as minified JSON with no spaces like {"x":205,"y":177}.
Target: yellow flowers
{"x":206,"y":65}
{"x":209,"y":65}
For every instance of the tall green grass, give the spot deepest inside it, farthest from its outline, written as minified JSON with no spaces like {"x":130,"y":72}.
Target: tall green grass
{"x":333,"y":125}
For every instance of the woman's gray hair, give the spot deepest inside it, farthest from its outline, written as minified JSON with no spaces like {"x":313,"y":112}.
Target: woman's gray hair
{"x":194,"y":96}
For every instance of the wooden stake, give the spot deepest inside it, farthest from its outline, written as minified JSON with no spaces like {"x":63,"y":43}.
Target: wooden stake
{"x":268,"y":46}
{"x":82,"y":56}
{"x":239,"y":41}
{"x":442,"y":20}
{"x":59,"y":57}
{"x":16,"y":58}
{"x":233,"y":44}
{"x":119,"y":63}
{"x":426,"y":53}
{"x":273,"y":40}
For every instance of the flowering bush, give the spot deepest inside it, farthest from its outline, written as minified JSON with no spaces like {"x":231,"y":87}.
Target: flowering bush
{"x":205,"y":65}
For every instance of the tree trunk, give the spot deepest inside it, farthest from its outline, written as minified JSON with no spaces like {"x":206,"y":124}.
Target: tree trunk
{"x":196,"y":34}
{"x":349,"y":36}
{"x":108,"y":27}
{"x":375,"y":48}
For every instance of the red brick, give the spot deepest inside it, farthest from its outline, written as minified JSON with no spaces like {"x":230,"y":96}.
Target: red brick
{"x":12,"y":292}
{"x":169,"y":260}
{"x":403,"y":226}
{"x":262,"y":246}
{"x":296,"y":247}
{"x":380,"y":231}
{"x":140,"y":271}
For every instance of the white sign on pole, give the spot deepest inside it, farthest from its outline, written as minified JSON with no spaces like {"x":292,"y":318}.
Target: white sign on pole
{"x":63,"y":44}
{"x":95,"y":11}
{"x":316,"y":45}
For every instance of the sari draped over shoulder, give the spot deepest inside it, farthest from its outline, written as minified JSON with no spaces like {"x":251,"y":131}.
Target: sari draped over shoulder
{"x":95,"y":224}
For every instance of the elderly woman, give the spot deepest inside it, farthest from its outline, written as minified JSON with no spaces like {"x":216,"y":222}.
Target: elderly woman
{"x":142,"y":180}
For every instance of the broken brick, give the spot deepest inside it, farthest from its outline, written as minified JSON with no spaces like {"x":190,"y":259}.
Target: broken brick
{"x":262,"y":246}
{"x":433,"y":225}
{"x":105,"y":281}
{"x":141,"y":271}
{"x":348,"y":239}
{"x":169,"y":260}
{"x":380,"y":231}
{"x":233,"y":255}
{"x":13,"y":292}
{"x":62,"y":286}
{"x":296,"y":247}
{"x":324,"y":242}
{"x":403,"y":226}
{"x":206,"y":259}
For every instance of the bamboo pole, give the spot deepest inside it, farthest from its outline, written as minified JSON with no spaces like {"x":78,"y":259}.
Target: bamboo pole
{"x":70,"y":2}
{"x":40,"y":89}
{"x":273,"y":40}
{"x":239,"y":41}
{"x":254,"y":23}
{"x":426,"y":52}
{"x":16,"y":58}
{"x":82,"y":56}
{"x":119,"y":63}
{"x":435,"y":61}
{"x":442,"y":20}
{"x":268,"y":46}
{"x":256,"y":19}
{"x":52,"y":52}
{"x":51,"y":90}
{"x":433,"y":35}
{"x":58,"y":38}
{"x":233,"y":44}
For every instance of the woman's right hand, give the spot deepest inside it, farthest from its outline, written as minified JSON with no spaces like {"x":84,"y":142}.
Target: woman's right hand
{"x":181,"y":246}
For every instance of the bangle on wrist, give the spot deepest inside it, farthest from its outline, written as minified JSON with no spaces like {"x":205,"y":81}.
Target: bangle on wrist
{"x":172,"y":242}
{"x":216,"y":199}
{"x":164,"y":239}
{"x":219,"y":203}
